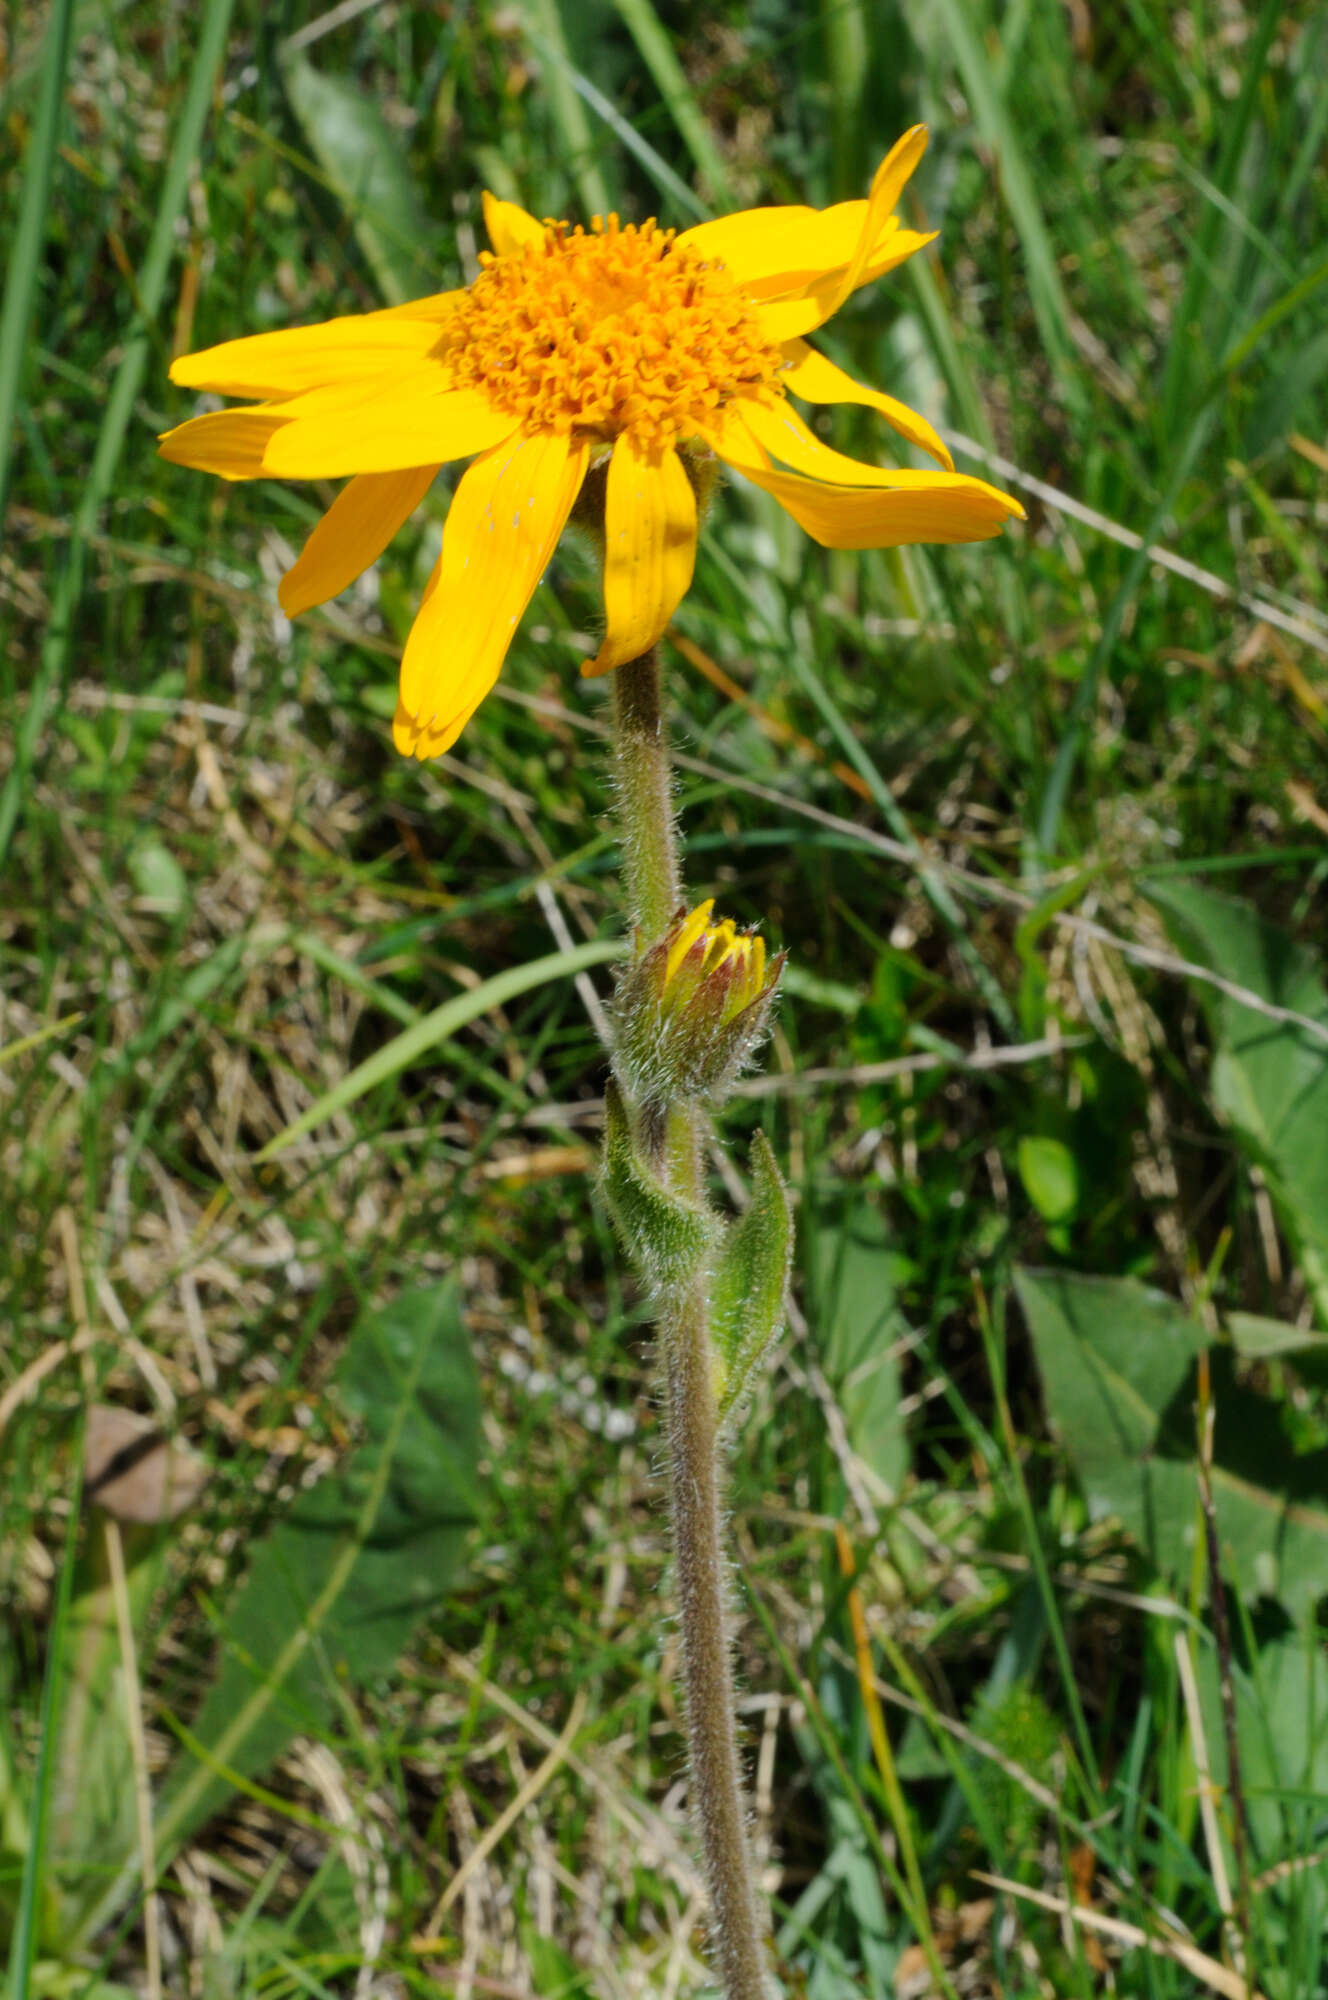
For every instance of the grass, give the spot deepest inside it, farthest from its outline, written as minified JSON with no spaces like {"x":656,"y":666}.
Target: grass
{"x":949,"y":787}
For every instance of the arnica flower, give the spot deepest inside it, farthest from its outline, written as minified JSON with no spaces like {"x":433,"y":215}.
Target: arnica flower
{"x":626,"y":350}
{"x":692,"y":1008}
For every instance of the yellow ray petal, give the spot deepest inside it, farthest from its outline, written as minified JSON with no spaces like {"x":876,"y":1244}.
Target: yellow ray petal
{"x":685,"y":937}
{"x":915,"y":507}
{"x":352,"y":534}
{"x":230,"y":443}
{"x":649,"y":549}
{"x":774,"y":258}
{"x":504,"y":522}
{"x":296,"y":358}
{"x":774,"y":252}
{"x":887,"y":186}
{"x":784,"y":318}
{"x":436,"y":306}
{"x":783,"y":433}
{"x":817,"y":380}
{"x":752,"y":242}
{"x":771,"y":252}
{"x":844,"y":517}
{"x":509,"y":227}
{"x":409,"y":421}
{"x":730,"y":435}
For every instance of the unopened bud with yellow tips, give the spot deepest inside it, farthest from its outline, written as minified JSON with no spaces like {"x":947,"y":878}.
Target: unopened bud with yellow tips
{"x":692,"y":1007}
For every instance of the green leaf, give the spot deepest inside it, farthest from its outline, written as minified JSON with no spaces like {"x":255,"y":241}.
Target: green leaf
{"x":1282,"y":1731}
{"x":667,"y":1238}
{"x":1116,"y":1361}
{"x":751,"y":1274}
{"x":1258,"y":1339}
{"x":365,"y":166}
{"x":858,"y":1321}
{"x":334,"y":1593}
{"x":1050,"y":1176}
{"x":159,"y":878}
{"x":1270,"y":1078}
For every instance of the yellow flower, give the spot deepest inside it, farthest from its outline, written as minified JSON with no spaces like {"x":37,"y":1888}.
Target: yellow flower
{"x":626,"y":347}
{"x":719,"y":959}
{"x":690,"y":1009}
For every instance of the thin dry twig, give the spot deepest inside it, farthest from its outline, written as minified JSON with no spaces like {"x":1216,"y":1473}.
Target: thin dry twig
{"x":1310,"y":634}
{"x":862,"y":1074}
{"x":1216,"y":1976}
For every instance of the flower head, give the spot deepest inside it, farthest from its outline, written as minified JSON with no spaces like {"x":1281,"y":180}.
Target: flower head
{"x":624,"y":347}
{"x":718,"y":961}
{"x":692,"y":1008}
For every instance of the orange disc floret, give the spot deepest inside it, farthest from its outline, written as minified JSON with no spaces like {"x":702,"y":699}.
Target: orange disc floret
{"x":613,"y":330}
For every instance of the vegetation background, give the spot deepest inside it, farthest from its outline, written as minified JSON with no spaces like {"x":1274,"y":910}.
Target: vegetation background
{"x":1041,"y":825}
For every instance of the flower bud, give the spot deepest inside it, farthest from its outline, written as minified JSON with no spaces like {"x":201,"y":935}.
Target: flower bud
{"x":691,"y":1009}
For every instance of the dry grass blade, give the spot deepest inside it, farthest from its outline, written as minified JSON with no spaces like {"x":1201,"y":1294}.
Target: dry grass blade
{"x":513,"y":1810}
{"x":124,"y":1622}
{"x":1217,"y":1977}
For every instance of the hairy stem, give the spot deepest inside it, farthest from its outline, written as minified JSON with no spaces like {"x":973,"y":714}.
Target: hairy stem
{"x":716,"y":1800}
{"x":674,"y":1143}
{"x":645,"y":796}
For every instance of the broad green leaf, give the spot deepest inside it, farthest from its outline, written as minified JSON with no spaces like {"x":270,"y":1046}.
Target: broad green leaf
{"x":365,"y":166}
{"x":1282,"y":1731}
{"x":92,"y":1802}
{"x":1270,"y":1078}
{"x":1116,"y":1361}
{"x":857,"y":1323}
{"x":1260,"y":1339}
{"x":1050,"y":1176}
{"x":334,"y":1593}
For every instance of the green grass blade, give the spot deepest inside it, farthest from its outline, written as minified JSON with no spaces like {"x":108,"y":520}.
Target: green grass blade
{"x":1085,"y":695}
{"x":627,"y":135}
{"x":937,"y":891}
{"x":848,"y":61}
{"x":996,"y":124}
{"x":545,"y":31}
{"x":25,"y":251}
{"x":12,"y":1050}
{"x":656,"y":51}
{"x":434,"y":1028}
{"x":128,"y":381}
{"x":1208,"y":279}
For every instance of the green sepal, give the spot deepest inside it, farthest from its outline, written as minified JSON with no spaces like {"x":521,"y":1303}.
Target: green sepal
{"x":750,"y":1279}
{"x":668,"y":1239}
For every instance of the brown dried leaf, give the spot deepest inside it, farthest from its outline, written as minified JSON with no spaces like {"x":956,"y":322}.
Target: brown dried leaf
{"x":135,"y":1473}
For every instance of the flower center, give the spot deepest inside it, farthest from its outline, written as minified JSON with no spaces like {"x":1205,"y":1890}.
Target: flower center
{"x":618,"y":329}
